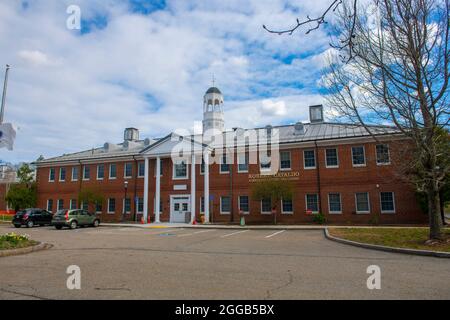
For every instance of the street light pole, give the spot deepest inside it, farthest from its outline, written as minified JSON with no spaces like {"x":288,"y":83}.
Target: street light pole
{"x":5,"y":87}
{"x":124,"y":211}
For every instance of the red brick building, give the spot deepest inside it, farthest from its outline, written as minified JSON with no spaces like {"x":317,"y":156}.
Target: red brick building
{"x":338,"y":170}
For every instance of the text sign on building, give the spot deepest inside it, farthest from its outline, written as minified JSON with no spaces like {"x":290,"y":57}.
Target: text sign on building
{"x":279,"y":176}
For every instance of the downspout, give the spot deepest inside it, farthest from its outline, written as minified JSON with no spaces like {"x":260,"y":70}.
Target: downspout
{"x":80,"y":179}
{"x":135,"y":188}
{"x":318,"y":176}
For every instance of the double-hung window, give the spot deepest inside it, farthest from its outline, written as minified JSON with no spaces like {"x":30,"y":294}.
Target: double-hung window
{"x":309,"y":157}
{"x":51,"y":175}
{"x":62,"y":174}
{"x":224,"y":164}
{"x":112,"y":171}
{"x":334,"y":203}
{"x":86,"y":172}
{"x":243,"y":159}
{"x":128,"y":170}
{"x":266,"y":206}
{"x":383,"y":157}
{"x":225,"y":205}
{"x":287,"y":206}
{"x":243,"y":204}
{"x":141,"y":169}
{"x":285,"y":160}
{"x":387,"y":202}
{"x":358,"y":156}
{"x":331,"y":157}
{"x":362,"y":202}
{"x":312,"y":203}
{"x":265,"y":161}
{"x":75,"y":173}
{"x":180,"y":170}
{"x":111,"y":205}
{"x":100,"y":172}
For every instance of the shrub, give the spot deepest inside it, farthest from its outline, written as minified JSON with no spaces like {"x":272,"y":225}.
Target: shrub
{"x":319,"y":218}
{"x":14,"y":238}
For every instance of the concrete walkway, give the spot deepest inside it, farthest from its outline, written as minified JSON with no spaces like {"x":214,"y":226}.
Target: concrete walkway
{"x":249,"y":227}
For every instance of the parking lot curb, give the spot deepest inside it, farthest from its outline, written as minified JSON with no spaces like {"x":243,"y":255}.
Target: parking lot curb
{"x":20,"y":251}
{"x":438,"y":254}
{"x":214,"y":226}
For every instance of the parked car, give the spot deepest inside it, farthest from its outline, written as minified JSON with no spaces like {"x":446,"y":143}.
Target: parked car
{"x":31,"y":218}
{"x":74,"y":218}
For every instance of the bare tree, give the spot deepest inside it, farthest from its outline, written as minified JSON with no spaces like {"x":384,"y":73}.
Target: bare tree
{"x":398,"y":74}
{"x":391,"y":66}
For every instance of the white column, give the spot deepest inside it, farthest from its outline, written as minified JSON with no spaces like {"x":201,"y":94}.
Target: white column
{"x":146,"y":176}
{"x":193,"y":188}
{"x":158,"y":190}
{"x":206,"y":186}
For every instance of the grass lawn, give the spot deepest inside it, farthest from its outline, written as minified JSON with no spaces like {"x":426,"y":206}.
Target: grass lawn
{"x":412,"y":238}
{"x":5,"y":218}
{"x":13,"y":241}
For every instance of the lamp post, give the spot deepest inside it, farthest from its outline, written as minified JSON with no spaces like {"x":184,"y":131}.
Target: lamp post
{"x":125,"y":201}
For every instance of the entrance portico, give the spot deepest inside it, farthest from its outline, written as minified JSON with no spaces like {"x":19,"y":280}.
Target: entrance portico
{"x":182,"y":150}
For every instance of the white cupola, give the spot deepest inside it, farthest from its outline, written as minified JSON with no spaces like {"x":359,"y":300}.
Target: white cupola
{"x":213,"y":117}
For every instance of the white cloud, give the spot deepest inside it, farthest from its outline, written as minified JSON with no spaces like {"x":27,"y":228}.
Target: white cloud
{"x":69,"y":92}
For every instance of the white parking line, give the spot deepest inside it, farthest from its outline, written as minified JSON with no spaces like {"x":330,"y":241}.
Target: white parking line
{"x":191,"y":234}
{"x":274,"y":234}
{"x":230,"y":234}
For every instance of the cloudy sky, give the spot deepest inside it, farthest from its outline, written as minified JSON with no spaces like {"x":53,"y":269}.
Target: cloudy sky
{"x":147,"y":64}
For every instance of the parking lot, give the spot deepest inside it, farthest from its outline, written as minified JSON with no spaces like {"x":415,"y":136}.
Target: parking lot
{"x":133,"y":263}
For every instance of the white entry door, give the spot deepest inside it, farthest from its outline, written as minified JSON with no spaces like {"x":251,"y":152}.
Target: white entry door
{"x":178,"y":209}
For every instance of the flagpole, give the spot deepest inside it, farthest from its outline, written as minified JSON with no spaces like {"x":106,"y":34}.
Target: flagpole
{"x":5,"y":87}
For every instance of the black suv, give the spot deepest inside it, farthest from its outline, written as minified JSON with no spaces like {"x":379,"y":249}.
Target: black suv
{"x":32,"y":217}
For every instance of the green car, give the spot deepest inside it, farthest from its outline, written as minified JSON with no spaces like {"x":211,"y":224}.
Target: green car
{"x":74,"y":218}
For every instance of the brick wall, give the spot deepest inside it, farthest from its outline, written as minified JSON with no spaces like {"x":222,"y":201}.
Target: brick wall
{"x":346,"y":180}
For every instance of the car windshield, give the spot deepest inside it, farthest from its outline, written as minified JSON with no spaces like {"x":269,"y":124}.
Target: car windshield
{"x":61,"y":212}
{"x":22,"y":212}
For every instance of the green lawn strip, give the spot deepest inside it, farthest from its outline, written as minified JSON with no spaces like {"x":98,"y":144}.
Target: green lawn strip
{"x":411,"y":238}
{"x":5,"y":218}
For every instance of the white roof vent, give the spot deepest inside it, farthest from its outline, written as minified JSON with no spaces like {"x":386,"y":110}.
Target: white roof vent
{"x":299,"y":128}
{"x":109,"y":147}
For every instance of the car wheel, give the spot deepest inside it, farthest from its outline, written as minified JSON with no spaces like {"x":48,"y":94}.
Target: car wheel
{"x":96,"y":224}
{"x":58,"y":227}
{"x":73,"y":225}
{"x":30,"y":224}
{"x":17,"y":225}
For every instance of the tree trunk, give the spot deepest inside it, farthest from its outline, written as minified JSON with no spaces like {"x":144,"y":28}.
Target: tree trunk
{"x":442,"y":207}
{"x":434,"y":214}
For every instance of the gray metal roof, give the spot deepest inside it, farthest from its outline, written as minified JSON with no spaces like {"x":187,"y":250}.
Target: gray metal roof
{"x":286,"y":133}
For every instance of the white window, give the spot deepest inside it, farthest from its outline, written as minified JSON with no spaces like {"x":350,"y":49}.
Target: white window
{"x":75,"y":174}
{"x":100,"y":172}
{"x":243,"y":159}
{"x":111,"y":205}
{"x":383,"y":157}
{"x":331,"y":158}
{"x":244,"y":204}
{"x":387,"y":202}
{"x":140,"y":205}
{"x":50,"y":205}
{"x":60,"y":204}
{"x":362,"y":202}
{"x":73,"y":204}
{"x":126,"y":205}
{"x":312,"y":203}
{"x":224,"y":164}
{"x":309,"y":159}
{"x":180,"y":170}
{"x":285,"y":160}
{"x":51,"y":175}
{"x":225,"y":205}
{"x":62,"y":174}
{"x":358,"y":156}
{"x":287,"y":206}
{"x":266,"y":206}
{"x":86,"y":173}
{"x":334,"y":203}
{"x":128,"y":170}
{"x":112,"y":171}
{"x":141,"y":169}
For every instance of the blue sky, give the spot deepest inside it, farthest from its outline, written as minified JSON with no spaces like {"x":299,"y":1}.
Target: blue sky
{"x":147,"y":64}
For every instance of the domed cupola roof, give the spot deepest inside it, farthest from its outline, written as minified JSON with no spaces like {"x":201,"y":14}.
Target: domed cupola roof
{"x":213,"y":90}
